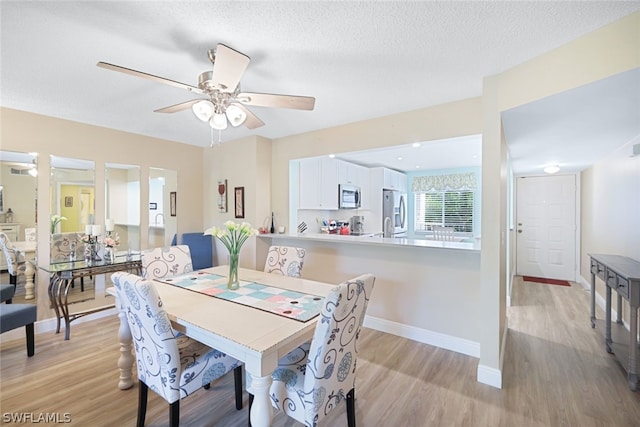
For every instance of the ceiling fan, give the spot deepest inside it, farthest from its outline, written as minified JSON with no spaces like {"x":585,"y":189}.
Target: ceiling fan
{"x":224,"y":101}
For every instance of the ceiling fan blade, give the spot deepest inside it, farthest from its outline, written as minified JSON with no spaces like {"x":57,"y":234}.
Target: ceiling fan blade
{"x":228,"y":67}
{"x":252,"y":121}
{"x":178,"y":107}
{"x":279,"y":101}
{"x":147,"y":76}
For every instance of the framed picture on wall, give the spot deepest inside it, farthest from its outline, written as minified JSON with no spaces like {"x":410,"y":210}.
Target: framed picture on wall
{"x":239,"y":198}
{"x":222,"y":196}
{"x":172,"y":203}
{"x":68,"y":201}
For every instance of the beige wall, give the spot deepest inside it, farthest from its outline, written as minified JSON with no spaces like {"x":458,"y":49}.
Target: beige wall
{"x":243,"y":163}
{"x":28,"y":132}
{"x":610,"y":207}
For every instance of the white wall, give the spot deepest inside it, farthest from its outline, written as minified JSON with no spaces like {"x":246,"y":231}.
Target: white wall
{"x":610,"y":209}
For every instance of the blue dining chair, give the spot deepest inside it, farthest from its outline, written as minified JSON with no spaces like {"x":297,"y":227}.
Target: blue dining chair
{"x":171,"y":364}
{"x":201,"y":247}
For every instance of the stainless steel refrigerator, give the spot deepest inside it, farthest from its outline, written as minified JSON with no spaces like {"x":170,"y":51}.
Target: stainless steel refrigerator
{"x":394,"y":213}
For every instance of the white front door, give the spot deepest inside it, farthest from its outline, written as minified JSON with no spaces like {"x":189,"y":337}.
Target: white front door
{"x":546,"y":227}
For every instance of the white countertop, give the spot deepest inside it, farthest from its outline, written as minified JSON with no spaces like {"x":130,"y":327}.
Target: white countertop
{"x":376,"y":240}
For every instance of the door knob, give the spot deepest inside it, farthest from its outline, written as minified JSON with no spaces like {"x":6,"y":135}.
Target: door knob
{"x":519,"y":231}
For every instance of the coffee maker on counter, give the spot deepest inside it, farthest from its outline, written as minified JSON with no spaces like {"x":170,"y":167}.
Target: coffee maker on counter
{"x":357,"y":225}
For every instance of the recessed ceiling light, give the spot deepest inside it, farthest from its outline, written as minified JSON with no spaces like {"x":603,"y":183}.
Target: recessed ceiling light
{"x":552,"y":169}
{"x":331,"y":156}
{"x":417,"y":166}
{"x":399,"y":158}
{"x":415,"y":145}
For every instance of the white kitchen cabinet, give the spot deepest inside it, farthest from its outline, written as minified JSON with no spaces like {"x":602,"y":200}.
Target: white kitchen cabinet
{"x":12,"y":231}
{"x":394,"y":180}
{"x":318,"y":183}
{"x":349,"y":173}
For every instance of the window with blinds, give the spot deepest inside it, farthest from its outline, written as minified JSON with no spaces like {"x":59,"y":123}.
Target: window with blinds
{"x":446,"y":208}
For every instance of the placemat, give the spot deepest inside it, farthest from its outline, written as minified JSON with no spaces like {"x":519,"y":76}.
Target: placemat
{"x":291,"y":304}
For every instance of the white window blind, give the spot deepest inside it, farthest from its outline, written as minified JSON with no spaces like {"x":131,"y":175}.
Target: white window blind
{"x":449,"y":208}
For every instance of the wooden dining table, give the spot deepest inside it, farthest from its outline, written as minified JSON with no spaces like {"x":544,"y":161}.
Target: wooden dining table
{"x":28,"y":250}
{"x":256,"y":337}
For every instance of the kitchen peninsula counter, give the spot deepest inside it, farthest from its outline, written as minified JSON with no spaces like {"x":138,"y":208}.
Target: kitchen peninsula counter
{"x":425,"y":290}
{"x":378,"y":241}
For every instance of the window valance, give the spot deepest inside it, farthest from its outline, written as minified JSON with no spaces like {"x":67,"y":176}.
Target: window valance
{"x":459,"y":181}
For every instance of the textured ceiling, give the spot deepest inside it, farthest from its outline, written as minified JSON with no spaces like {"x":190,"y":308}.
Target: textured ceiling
{"x":359,"y":59}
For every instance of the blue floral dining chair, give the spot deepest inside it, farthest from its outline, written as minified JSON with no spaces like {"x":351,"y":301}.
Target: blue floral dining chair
{"x":167,"y":261}
{"x":169,"y":363}
{"x":312,"y":379}
{"x":285,"y":260}
{"x":16,"y":263}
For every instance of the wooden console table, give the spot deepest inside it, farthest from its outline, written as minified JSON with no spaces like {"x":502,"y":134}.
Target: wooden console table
{"x":621,"y":274}
{"x":62,"y":275}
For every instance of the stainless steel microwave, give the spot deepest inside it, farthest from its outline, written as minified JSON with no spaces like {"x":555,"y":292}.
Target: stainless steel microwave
{"x":348,"y":196}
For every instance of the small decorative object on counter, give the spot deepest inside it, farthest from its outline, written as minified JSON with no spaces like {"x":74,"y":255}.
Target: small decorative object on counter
{"x":8,"y":216}
{"x":273,"y":223}
{"x":232,"y":237}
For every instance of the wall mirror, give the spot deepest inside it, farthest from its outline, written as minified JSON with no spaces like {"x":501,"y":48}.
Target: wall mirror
{"x":18,"y":210}
{"x":163,"y":216}
{"x":72,"y":195}
{"x":122,"y":204}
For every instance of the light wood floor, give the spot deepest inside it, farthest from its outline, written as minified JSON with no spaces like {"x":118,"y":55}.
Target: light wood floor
{"x":75,"y":293}
{"x":556,"y":372}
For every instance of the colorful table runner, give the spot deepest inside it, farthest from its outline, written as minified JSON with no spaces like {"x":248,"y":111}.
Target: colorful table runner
{"x":291,"y":304}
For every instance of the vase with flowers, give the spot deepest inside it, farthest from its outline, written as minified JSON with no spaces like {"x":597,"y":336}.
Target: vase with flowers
{"x":55,"y":220}
{"x":110,"y":243}
{"x":232,"y":236}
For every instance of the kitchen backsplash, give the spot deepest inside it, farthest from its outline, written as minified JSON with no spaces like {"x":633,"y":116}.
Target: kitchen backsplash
{"x":311,"y":216}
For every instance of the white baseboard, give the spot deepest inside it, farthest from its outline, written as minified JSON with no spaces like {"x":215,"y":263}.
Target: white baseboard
{"x":490,"y":376}
{"x":601,"y":302}
{"x":448,"y":342}
{"x":49,"y":325}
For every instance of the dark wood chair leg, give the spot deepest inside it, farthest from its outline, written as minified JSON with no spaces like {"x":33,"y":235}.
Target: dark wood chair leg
{"x":206,"y":386}
{"x":31,"y":348}
{"x":351,"y":408}
{"x":174,"y":414}
{"x":250,"y":405}
{"x":237,"y":378}
{"x":142,"y":403}
{"x":9,"y":301}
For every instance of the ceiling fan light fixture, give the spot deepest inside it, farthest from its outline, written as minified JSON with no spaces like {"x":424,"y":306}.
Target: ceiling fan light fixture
{"x":218,"y":121}
{"x":203,"y":110}
{"x":235,"y":115}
